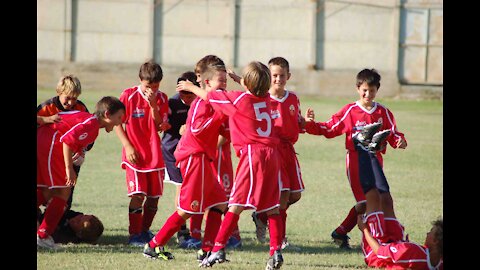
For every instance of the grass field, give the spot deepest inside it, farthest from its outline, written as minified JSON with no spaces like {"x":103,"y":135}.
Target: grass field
{"x":415,"y":176}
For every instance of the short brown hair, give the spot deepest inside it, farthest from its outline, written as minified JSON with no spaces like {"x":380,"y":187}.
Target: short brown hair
{"x":151,"y":72}
{"x":208,"y":60}
{"x":91,"y":230}
{"x":69,"y":85}
{"x":279,"y":61}
{"x":256,"y":77}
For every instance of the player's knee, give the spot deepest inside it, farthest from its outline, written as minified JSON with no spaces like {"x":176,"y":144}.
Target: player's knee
{"x":294,"y":197}
{"x":136,"y":200}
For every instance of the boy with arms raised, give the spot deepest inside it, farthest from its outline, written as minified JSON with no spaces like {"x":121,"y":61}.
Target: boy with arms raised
{"x":257,"y":180}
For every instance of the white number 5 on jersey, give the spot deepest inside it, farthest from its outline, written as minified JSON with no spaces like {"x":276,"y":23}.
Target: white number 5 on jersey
{"x":263,"y":116}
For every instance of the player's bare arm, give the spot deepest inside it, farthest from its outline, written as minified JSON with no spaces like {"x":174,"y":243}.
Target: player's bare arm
{"x":130,"y":152}
{"x":190,"y":87}
{"x":234,"y":76}
{"x":69,"y":171}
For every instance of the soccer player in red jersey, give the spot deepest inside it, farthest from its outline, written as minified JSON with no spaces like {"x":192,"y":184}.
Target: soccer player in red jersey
{"x":56,"y":144}
{"x":146,"y":115}
{"x":68,"y":90}
{"x":286,"y":115}
{"x":195,"y":151}
{"x":257,"y":180}
{"x":404,"y":254}
{"x":364,"y":167}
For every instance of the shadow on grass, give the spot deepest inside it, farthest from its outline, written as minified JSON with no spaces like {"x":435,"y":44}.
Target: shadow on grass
{"x":117,"y":243}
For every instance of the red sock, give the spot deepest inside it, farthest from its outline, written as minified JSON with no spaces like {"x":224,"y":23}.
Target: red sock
{"x":148,"y":215}
{"x":274,"y":228}
{"x":171,"y":226}
{"x":262,"y":217}
{"x":376,"y":223}
{"x":228,"y":223}
{"x":349,"y":223}
{"x":135,"y":221}
{"x":212,"y":225}
{"x":283,"y":216}
{"x":53,"y":214}
{"x":196,"y":226}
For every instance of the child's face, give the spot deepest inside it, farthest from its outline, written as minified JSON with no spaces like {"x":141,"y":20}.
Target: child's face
{"x":280,"y":76}
{"x":218,"y":81}
{"x":113,"y":120}
{"x":367,"y":93}
{"x":67,"y":101}
{"x":430,"y":239}
{"x":187,"y":97}
{"x":147,"y":84}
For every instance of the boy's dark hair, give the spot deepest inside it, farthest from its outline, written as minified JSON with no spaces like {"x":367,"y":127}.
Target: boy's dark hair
{"x":208,"y":60}
{"x":370,"y":76}
{"x":279,"y":61}
{"x":189,"y":75}
{"x":151,"y":72}
{"x":256,"y":77}
{"x":91,"y":230}
{"x":108,"y":103}
{"x":438,"y":225}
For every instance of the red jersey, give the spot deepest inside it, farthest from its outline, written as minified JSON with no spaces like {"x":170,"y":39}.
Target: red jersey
{"x":77,"y":129}
{"x":286,"y":115}
{"x":222,"y":165}
{"x":201,"y":132}
{"x":249,"y":117}
{"x":351,"y":119}
{"x":141,"y":130}
{"x":400,"y":255}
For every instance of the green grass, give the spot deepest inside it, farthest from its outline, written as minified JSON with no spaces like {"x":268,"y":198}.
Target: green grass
{"x":415,"y":176}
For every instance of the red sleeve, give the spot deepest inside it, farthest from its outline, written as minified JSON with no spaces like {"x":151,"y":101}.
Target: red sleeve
{"x":80,"y":137}
{"x":334,"y":127}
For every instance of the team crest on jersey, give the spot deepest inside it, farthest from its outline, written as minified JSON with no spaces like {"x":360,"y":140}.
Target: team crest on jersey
{"x":138,"y":112}
{"x":292,"y":109}
{"x":83,"y":136}
{"x":194,"y":205}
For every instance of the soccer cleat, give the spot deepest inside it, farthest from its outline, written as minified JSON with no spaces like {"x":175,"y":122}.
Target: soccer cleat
{"x":202,"y":254}
{"x":183,"y":235}
{"x":192,"y":243}
{"x":215,"y":257}
{"x":285,"y":243}
{"x":234,"y":243}
{"x":275,"y":261}
{"x":365,"y":135}
{"x":46,"y":242}
{"x":260,"y":228}
{"x":341,"y":239}
{"x":137,"y":240}
{"x":157,"y":253}
{"x":378,"y":140}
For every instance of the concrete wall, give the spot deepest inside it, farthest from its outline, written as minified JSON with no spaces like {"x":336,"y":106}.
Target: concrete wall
{"x":326,"y":42}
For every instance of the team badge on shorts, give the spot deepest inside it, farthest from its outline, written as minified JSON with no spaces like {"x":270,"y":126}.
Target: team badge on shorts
{"x":292,"y":109}
{"x":194,"y":205}
{"x":131,"y":185}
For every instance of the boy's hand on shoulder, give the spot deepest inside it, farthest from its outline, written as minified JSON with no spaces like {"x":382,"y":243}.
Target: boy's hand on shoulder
{"x":234,"y":76}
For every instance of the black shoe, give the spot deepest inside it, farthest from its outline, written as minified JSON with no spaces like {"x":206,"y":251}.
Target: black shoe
{"x":341,"y":240}
{"x":275,"y":261}
{"x":378,"y":140}
{"x":215,"y":257}
{"x":365,"y":135}
{"x":157,"y":253}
